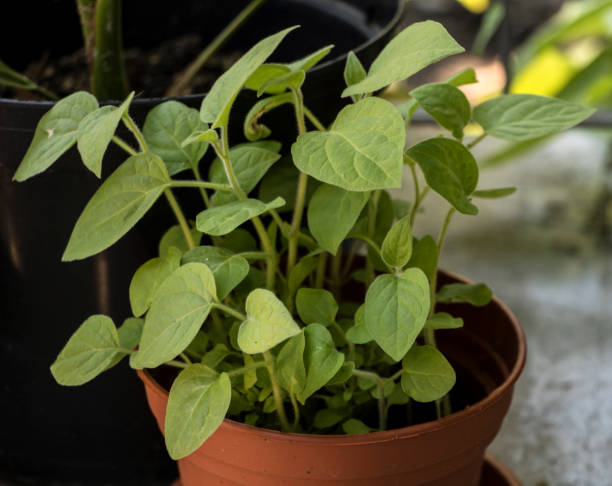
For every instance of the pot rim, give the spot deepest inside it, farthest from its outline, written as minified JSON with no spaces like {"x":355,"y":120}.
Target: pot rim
{"x":393,"y":22}
{"x":385,"y":435}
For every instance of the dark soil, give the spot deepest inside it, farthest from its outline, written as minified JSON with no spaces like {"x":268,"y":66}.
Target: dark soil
{"x":149,"y":71}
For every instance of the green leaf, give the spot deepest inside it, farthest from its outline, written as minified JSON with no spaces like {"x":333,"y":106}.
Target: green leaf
{"x":268,"y":323}
{"x":215,"y":356}
{"x":407,"y":109}
{"x":197,"y":405}
{"x":10,"y":77}
{"x":316,"y":305}
{"x":491,"y":20}
{"x":165,"y":129}
{"x":219,"y":100}
{"x":327,"y":418}
{"x":359,"y":334}
{"x":520,"y":117}
{"x":149,"y":277}
{"x":413,"y":49}
{"x":477,"y":294}
{"x":292,"y":80}
{"x":180,"y":306}
{"x":356,"y":426}
{"x":396,"y":308}
{"x":129,"y":336}
{"x":117,"y":205}
{"x":425,"y":256}
{"x":88,"y":352}
{"x":442,"y":320}
{"x":290,"y":370}
{"x":239,"y":240}
{"x":223,"y":219}
{"x":300,"y":272}
{"x":467,"y":76}
{"x":354,"y":71}
{"x":330,"y":228}
{"x":250,"y":162}
{"x":229,"y":269}
{"x":396,"y":248}
{"x":55,"y":133}
{"x":362,"y":151}
{"x":494,"y":193}
{"x":200,"y":136}
{"x":427,"y":376}
{"x":250,"y":377}
{"x":175,"y":237}
{"x":253,"y":130}
{"x":450,"y":170}
{"x":96,"y":131}
{"x":263,"y":74}
{"x":446,"y":104}
{"x":343,"y":374}
{"x":282,"y":180}
{"x":310,"y":60}
{"x":321,"y":358}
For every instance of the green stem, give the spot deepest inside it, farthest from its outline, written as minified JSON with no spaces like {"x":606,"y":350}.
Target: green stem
{"x":321,"y":267}
{"x":372,"y":212}
{"x":87,"y":17}
{"x":185,"y":358}
{"x":253,"y":255}
{"x":132,"y":127}
{"x":296,"y":410}
{"x":176,"y":364}
{"x":179,"y":86}
{"x":202,"y":184}
{"x":382,"y":414}
{"x":417,"y":194}
{"x":228,"y":310}
{"x":196,"y":174}
{"x":314,"y":120}
{"x":124,"y":145}
{"x":246,"y":369}
{"x":45,"y":92}
{"x":396,"y":375}
{"x":374,"y":247}
{"x":180,"y":217}
{"x":476,"y":141}
{"x":280,"y":410}
{"x":109,"y":80}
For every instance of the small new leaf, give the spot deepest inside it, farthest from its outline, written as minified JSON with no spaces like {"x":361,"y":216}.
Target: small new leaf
{"x":396,"y":248}
{"x":290,"y":370}
{"x":354,"y":71}
{"x":446,"y":104}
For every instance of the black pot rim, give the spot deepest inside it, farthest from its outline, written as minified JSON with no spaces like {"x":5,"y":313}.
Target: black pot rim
{"x":400,"y":5}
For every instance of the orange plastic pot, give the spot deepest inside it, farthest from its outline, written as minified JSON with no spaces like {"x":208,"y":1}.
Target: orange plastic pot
{"x":490,"y":349}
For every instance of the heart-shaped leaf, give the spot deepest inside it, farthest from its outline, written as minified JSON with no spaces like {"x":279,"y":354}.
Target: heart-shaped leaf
{"x":316,"y":305}
{"x":413,"y":49}
{"x":268,"y":323}
{"x":446,"y":104}
{"x":396,"y":308}
{"x":223,"y":219}
{"x":180,"y":306}
{"x":197,"y":404}
{"x":520,"y":117}
{"x":219,"y":100}
{"x":330,"y":228}
{"x":88,"y":352}
{"x":56,"y":132}
{"x":117,"y":205}
{"x":362,"y":151}
{"x":450,"y":170}
{"x":229,"y":269}
{"x":427,"y":376}
{"x":165,"y":129}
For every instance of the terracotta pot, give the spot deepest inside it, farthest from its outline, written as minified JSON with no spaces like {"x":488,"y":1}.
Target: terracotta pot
{"x":491,"y":349}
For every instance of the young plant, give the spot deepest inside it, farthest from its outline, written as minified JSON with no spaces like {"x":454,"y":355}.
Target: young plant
{"x":287,"y":326}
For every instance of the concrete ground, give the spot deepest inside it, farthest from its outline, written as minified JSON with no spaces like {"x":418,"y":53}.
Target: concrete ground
{"x":547,"y":252}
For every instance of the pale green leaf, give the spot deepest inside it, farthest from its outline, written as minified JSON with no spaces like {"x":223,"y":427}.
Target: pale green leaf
{"x":396,"y":248}
{"x":467,"y":76}
{"x":356,"y":426}
{"x":354,"y":71}
{"x":263,"y":74}
{"x":165,"y":129}
{"x":443,"y":320}
{"x":450,"y":170}
{"x":268,"y":323}
{"x":55,"y":133}
{"x":330,"y":228}
{"x":477,"y":294}
{"x":425,"y":256}
{"x":427,"y":376}
{"x":300,"y":272}
{"x":310,"y":60}
{"x":229,"y":269}
{"x":413,"y":49}
{"x":10,"y":77}
{"x":407,"y":109}
{"x":316,"y":305}
{"x":174,"y":237}
{"x":250,"y":377}
{"x":359,"y":334}
{"x":215,"y":356}
{"x":343,"y":374}
{"x":396,"y":308}
{"x":290,"y":370}
{"x":117,"y":205}
{"x":129,"y":336}
{"x":88,"y":352}
{"x":219,"y":100}
{"x":362,"y":151}
{"x":446,"y":104}
{"x":221,"y":220}
{"x":200,"y":136}
{"x":253,"y":129}
{"x":321,"y":358}
{"x":292,"y":80}
{"x":197,"y":405}
{"x":180,"y":306}
{"x":494,"y":193}
{"x":520,"y":117}
{"x":149,"y":277}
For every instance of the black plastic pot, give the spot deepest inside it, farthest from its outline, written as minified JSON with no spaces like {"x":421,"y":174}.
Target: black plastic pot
{"x":101,"y":432}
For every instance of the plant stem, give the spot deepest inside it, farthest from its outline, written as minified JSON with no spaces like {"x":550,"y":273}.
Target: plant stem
{"x":185,"y":358}
{"x":196,"y":174}
{"x":280,"y":410}
{"x":382,"y":414}
{"x":132,"y":127}
{"x":228,"y":310}
{"x":300,"y":198}
{"x":176,"y":364}
{"x":372,"y":244}
{"x":87,"y":17}
{"x":180,"y":217}
{"x":372,"y":212}
{"x":321,"y":267}
{"x":178,"y":87}
{"x":109,"y":81}
{"x":124,"y":145}
{"x":417,"y":194}
{"x":476,"y":141}
{"x":296,"y":411}
{"x":314,"y":120}
{"x":246,"y":369}
{"x":202,"y":184}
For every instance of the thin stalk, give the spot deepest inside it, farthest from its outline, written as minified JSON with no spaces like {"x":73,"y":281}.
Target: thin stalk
{"x":314,"y":120}
{"x":228,"y":310}
{"x":180,"y":217}
{"x":45,"y":92}
{"x":372,"y":244}
{"x":372,"y":212}
{"x":321,"y":267}
{"x":417,"y":194}
{"x":124,"y":145}
{"x":87,"y":17}
{"x":198,"y":177}
{"x":185,"y":358}
{"x":280,"y":410}
{"x":109,"y":81}
{"x":253,"y":255}
{"x":476,"y":141}
{"x":178,"y":87}
{"x":246,"y":369}
{"x":132,"y":127}
{"x":382,"y":414}
{"x":300,"y":198}
{"x":176,"y":364}
{"x":202,"y":184}
{"x":296,"y":410}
